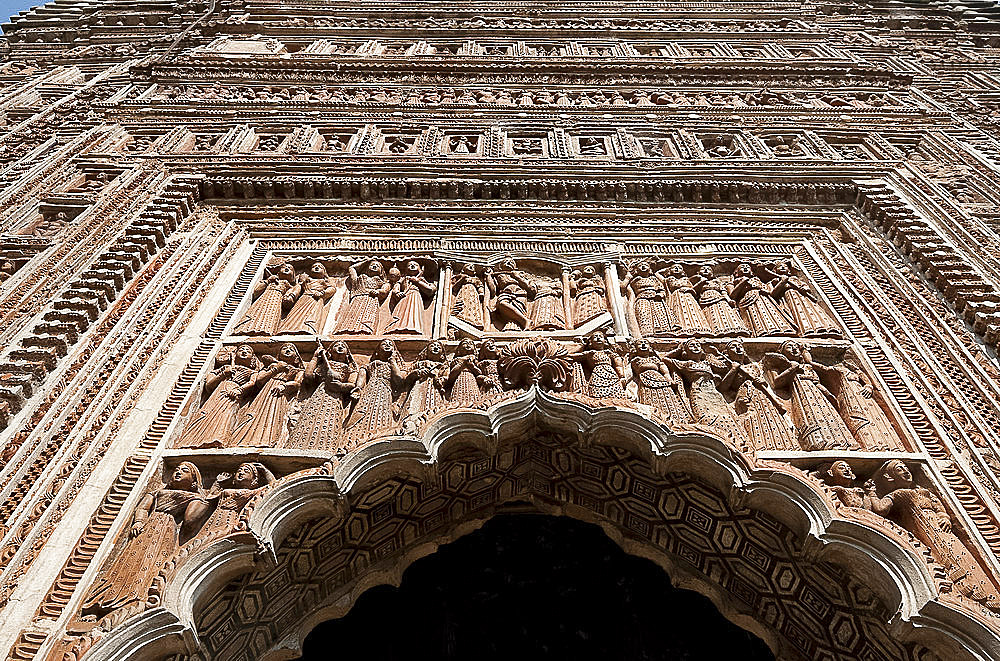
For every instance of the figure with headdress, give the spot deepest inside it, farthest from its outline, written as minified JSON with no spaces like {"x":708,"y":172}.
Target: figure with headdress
{"x":682,"y":302}
{"x":321,"y":418}
{"x":757,"y":406}
{"x":717,"y":304}
{"x":703,"y":372}
{"x":814,"y":411}
{"x":409,"y":291}
{"x":234,"y":376}
{"x":589,"y":294}
{"x":861,"y":411}
{"x":896,"y":496}
{"x":840,"y":477}
{"x":546,"y":309}
{"x":162,"y":522}
{"x":375,"y":393}
{"x":604,"y":368}
{"x":658,"y":385}
{"x":426,"y":380}
{"x":231,"y":493}
{"x":367,"y":287}
{"x":310,"y":294}
{"x":647,"y":294}
{"x":468,"y":291}
{"x":271,"y":295}
{"x":264,"y":422}
{"x":756,"y":303}
{"x":807,"y":314}
{"x":489,"y":365}
{"x":464,"y":374}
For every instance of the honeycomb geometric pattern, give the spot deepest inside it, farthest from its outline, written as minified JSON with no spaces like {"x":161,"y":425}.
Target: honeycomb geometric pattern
{"x":816,"y":607}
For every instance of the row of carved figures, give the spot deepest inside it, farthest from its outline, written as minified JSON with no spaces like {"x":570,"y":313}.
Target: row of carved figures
{"x":169,"y":517}
{"x":526,"y":97}
{"x":786,"y":401}
{"x":893,"y":493}
{"x":756,"y":300}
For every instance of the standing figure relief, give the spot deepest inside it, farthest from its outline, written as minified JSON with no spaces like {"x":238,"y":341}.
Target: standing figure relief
{"x":718,"y":306}
{"x":658,"y":385}
{"x":312,"y":290}
{"x":367,"y":287}
{"x":374,"y":395}
{"x":682,"y":300}
{"x":263,"y":423}
{"x":270,"y":301}
{"x":703,"y":372}
{"x":164,"y":520}
{"x":806,"y":312}
{"x":647,"y":296}
{"x":893,"y":493}
{"x":757,"y":406}
{"x":468,"y":294}
{"x":814,"y":408}
{"x":234,"y":376}
{"x":756,"y":303}
{"x":409,"y":295}
{"x":603,"y":367}
{"x":334,"y":373}
{"x":589,"y":294}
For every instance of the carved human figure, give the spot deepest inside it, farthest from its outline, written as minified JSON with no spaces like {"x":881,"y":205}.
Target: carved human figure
{"x":658,"y":385}
{"x":753,"y":297}
{"x":546,"y":310}
{"x":717,"y":304}
{"x":408,"y":295}
{"x":264,"y":422}
{"x":426,"y":380}
{"x":509,"y":291}
{"x":464,"y":374}
{"x":806,"y":311}
{"x":321,"y":419}
{"x":703,"y":372}
{"x":375,"y":392}
{"x":758,"y":408}
{"x":897,"y":496}
{"x":230,"y":493}
{"x":311,"y":293}
{"x":234,"y":375}
{"x":163,"y":521}
{"x":861,"y":411}
{"x":605,"y":371}
{"x":367,"y":287}
{"x":814,"y":413}
{"x":264,"y":314}
{"x":648,"y":295}
{"x":681,"y":300}
{"x":840,"y":477}
{"x":468,"y":291}
{"x":489,"y":365}
{"x":589,"y":294}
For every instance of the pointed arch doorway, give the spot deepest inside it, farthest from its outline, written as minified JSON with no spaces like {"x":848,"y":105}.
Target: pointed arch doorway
{"x":534,"y":586}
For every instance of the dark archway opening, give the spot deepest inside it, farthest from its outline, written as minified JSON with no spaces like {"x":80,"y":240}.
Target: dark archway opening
{"x":529,"y":586}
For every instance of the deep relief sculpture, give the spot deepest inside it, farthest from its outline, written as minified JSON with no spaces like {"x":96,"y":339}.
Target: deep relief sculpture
{"x":892,"y":492}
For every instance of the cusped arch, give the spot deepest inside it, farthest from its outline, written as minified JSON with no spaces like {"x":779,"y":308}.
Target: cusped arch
{"x":318,"y":541}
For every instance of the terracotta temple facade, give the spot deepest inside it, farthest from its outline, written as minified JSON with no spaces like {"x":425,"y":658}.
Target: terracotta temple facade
{"x":291,"y":294}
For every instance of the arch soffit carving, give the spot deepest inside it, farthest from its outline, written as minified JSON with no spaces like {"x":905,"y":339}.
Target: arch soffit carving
{"x":896,"y":574}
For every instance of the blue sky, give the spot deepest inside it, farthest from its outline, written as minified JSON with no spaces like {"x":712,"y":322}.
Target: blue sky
{"x":10,"y":7}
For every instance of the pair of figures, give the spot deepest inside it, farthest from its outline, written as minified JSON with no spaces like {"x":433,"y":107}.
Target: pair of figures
{"x":369,"y":285}
{"x":249,"y":400}
{"x":669,"y":302}
{"x":522,"y":301}
{"x":892,"y":492}
{"x":286,"y":302}
{"x":163,"y":522}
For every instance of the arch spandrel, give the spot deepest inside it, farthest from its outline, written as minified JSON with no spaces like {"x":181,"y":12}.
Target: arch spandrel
{"x":768,"y":545}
